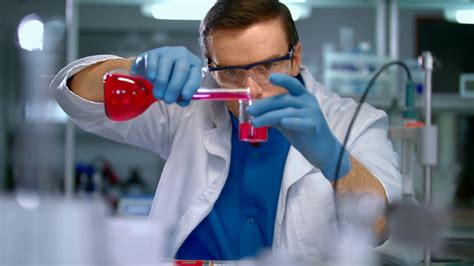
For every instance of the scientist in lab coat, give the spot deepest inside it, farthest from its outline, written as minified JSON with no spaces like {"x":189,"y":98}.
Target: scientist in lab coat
{"x":228,"y":199}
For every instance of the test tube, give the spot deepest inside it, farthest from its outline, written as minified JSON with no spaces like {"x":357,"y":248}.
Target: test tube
{"x":247,"y":132}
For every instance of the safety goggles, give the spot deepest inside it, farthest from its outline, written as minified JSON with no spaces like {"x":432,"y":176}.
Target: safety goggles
{"x":235,"y":76}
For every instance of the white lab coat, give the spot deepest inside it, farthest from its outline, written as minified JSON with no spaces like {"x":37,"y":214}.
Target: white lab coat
{"x":195,"y":142}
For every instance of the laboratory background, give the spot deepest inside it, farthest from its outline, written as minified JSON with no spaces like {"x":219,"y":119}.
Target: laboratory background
{"x":86,"y":198}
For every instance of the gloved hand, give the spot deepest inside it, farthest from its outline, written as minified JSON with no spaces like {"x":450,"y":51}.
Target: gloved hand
{"x":298,"y":116}
{"x":174,"y":71}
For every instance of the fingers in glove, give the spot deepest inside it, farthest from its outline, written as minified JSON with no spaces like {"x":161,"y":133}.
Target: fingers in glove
{"x":179,"y":75}
{"x":274,"y":103}
{"x":290,"y":83}
{"x":165,"y":68}
{"x":193,"y":82}
{"x":302,"y":125}
{"x":274,"y":117}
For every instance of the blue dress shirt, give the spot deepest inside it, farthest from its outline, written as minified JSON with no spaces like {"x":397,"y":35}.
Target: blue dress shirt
{"x":242,"y":221}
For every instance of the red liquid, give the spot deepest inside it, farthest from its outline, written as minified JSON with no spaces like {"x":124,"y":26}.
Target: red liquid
{"x":252,"y":134}
{"x":126,"y":97}
{"x":219,"y":96}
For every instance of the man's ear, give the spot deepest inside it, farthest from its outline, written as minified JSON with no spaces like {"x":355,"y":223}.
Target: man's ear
{"x":296,"y":61}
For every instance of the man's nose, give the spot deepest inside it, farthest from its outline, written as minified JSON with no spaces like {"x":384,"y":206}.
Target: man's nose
{"x":256,"y":91}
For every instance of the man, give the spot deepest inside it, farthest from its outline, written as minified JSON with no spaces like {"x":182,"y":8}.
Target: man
{"x":229,"y":199}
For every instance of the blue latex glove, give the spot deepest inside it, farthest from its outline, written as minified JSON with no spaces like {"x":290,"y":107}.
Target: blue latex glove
{"x":299,"y":118}
{"x":174,"y":71}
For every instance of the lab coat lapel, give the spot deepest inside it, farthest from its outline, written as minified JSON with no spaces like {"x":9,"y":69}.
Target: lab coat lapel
{"x":217,"y":140}
{"x":218,"y":146}
{"x":296,"y":167}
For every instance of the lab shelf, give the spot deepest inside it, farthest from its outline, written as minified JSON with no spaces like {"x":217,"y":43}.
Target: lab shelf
{"x":441,"y":102}
{"x":452,"y":102}
{"x":381,"y":102}
{"x":350,"y":72}
{"x":355,"y":75}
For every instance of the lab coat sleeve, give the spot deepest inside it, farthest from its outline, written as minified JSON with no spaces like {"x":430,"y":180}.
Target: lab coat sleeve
{"x":374,"y":150}
{"x":152,"y":130}
{"x":370,"y":145}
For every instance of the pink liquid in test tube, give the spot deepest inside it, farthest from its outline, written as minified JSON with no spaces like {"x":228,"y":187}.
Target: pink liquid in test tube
{"x":127,"y":96}
{"x":249,"y":133}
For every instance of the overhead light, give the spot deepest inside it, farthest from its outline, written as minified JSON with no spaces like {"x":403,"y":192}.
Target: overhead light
{"x":196,"y":10}
{"x":31,"y":33}
{"x":178,"y":10}
{"x":299,"y":12}
{"x":464,"y":16}
{"x":293,"y":1}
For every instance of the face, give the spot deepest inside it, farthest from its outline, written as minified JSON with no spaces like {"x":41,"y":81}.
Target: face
{"x":261,"y":41}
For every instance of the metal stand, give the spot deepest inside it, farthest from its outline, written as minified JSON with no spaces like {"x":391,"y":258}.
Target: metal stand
{"x":425,"y":137}
{"x":425,"y":62}
{"x":71,"y":48}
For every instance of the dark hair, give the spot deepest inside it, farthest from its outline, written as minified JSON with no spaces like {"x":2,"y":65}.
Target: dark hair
{"x":241,"y":14}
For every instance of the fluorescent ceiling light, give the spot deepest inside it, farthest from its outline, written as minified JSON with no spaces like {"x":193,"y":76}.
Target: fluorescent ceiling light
{"x":299,"y":12}
{"x":178,"y":10}
{"x":465,"y":16}
{"x":293,"y":1}
{"x":196,"y":10}
{"x":31,"y":33}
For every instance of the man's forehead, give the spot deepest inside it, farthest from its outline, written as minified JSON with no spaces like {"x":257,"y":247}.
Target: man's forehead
{"x":258,"y":42}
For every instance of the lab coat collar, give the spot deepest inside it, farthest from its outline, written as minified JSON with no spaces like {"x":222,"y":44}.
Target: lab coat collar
{"x":310,"y":83}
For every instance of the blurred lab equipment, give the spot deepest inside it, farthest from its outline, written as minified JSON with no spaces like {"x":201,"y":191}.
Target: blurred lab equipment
{"x":127,"y":95}
{"x":346,"y":39}
{"x":126,"y":197}
{"x":39,"y":230}
{"x":134,"y":185}
{"x":52,"y":231}
{"x":35,"y":123}
{"x":407,"y":217}
{"x":424,"y":137}
{"x":85,"y":182}
{"x":466,"y":82}
{"x":134,"y":206}
{"x":138,"y":241}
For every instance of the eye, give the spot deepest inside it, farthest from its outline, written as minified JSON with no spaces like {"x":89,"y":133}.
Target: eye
{"x":231,"y":73}
{"x":268,"y":66}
